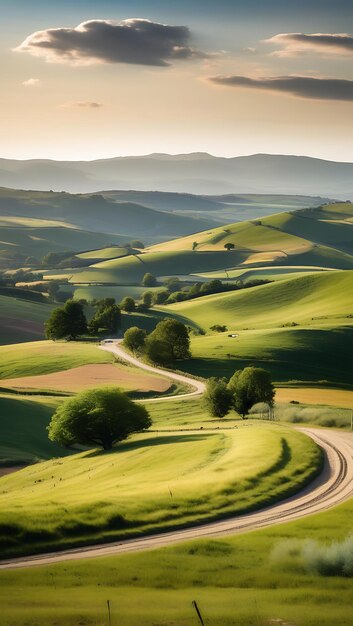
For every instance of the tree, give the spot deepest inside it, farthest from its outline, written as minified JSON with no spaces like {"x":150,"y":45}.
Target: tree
{"x":217,"y":397}
{"x":174,"y":336}
{"x":149,"y":280}
{"x":194,"y":245}
{"x":172,"y":284}
{"x":158,"y":351}
{"x":108,"y":318}
{"x":219,"y":328}
{"x":53,"y":290}
{"x":128,"y":304}
{"x":250,"y":386}
{"x":229,"y":246}
{"x":104,"y":303}
{"x":161,"y":296}
{"x":68,"y":322}
{"x":97,"y":417}
{"x":134,"y":338}
{"x":195,"y":289}
{"x":147,"y":298}
{"x":136,"y":243}
{"x":56,"y":326}
{"x":177,"y":296}
{"x":214,"y":286}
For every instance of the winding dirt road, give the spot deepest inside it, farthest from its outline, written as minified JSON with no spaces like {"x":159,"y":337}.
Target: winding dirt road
{"x":199,"y":386}
{"x":332,"y":487}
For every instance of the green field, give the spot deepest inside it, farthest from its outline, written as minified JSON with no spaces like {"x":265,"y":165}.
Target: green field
{"x":23,"y":422}
{"x":319,"y":297}
{"x":299,"y":329}
{"x":308,"y":238}
{"x":113,"y":252}
{"x":92,"y":292}
{"x":45,"y":357}
{"x":137,"y":489}
{"x":314,"y":354}
{"x":22,"y":320}
{"x":235,"y":580}
{"x":264,"y":273}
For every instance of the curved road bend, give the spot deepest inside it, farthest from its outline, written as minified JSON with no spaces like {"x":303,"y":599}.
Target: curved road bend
{"x":198,"y":385}
{"x":332,"y":487}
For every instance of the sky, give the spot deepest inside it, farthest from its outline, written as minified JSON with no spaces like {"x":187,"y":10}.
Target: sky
{"x":83,"y":79}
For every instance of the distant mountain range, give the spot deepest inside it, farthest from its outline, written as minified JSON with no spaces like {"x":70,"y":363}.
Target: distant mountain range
{"x":198,"y":173}
{"x":33,"y":223}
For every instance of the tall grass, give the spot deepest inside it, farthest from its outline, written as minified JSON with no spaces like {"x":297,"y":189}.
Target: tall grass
{"x":335,"y":559}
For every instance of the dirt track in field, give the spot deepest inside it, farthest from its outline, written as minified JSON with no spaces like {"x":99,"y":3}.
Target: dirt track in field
{"x":315,"y":395}
{"x":86,"y":376}
{"x":332,"y":487}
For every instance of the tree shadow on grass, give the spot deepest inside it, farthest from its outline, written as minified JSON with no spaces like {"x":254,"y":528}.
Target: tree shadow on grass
{"x":127,"y":446}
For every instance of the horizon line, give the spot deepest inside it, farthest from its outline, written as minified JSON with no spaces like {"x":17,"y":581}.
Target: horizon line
{"x":174,"y":154}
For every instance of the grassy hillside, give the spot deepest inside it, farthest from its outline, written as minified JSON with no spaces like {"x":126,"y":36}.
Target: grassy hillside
{"x":94,"y":213}
{"x":23,"y":237}
{"x":308,"y":238}
{"x":22,"y":320}
{"x":23,"y":423}
{"x":212,"y":474}
{"x":304,"y":299}
{"x":314,"y":354}
{"x":247,"y":580}
{"x":45,"y":357}
{"x":112,"y":252}
{"x":299,"y":329}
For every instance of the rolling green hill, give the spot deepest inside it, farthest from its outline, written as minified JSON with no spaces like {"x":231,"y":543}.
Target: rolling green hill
{"x":21,"y":238}
{"x":298,"y":328}
{"x":94,"y":214}
{"x":213,"y":474}
{"x":22,"y":320}
{"x":320,"y":296}
{"x":315,"y":238}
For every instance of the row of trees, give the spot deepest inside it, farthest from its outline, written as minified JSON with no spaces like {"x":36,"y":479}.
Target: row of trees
{"x":167,"y":343}
{"x":70,"y":322}
{"x":245,"y":388}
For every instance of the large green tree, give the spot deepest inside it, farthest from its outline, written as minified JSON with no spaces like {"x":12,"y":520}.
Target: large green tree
{"x":128,"y":304}
{"x":107,"y":319}
{"x":67,"y":322}
{"x":217,"y":397}
{"x":98,"y":417}
{"x":174,"y":336}
{"x":149,"y":280}
{"x":250,"y":386}
{"x":134,"y":338}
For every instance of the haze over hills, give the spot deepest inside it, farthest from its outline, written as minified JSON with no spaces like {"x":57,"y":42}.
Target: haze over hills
{"x":311,"y":238}
{"x":191,"y":173}
{"x":36,"y":222}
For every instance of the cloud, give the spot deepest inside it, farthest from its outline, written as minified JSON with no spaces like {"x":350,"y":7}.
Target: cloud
{"x":137,"y":41}
{"x":296,"y":43}
{"x":300,"y":86}
{"x":31,"y":82}
{"x":249,"y":50}
{"x":81,"y":104}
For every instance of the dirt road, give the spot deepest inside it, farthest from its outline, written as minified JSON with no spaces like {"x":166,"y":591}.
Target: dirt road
{"x":198,"y":385}
{"x":333,"y":486}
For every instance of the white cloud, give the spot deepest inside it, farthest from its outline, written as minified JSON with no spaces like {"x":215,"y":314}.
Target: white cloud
{"x":81,"y":104}
{"x":293,"y":44}
{"x":31,"y":82}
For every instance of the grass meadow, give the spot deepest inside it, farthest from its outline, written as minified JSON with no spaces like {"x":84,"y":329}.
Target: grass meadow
{"x":96,"y":496}
{"x":236,"y":581}
{"x":45,"y":357}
